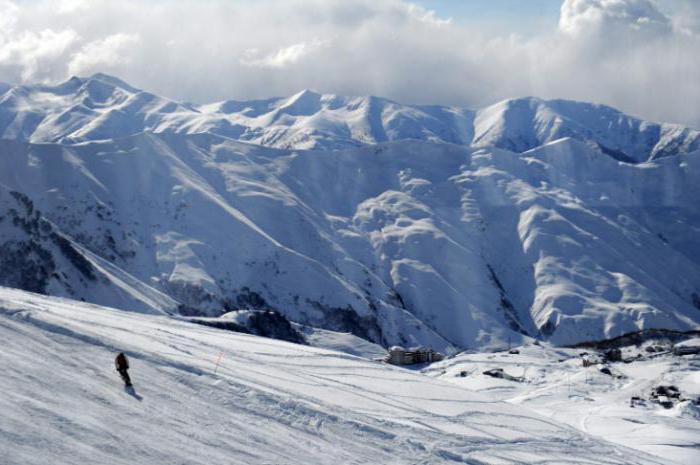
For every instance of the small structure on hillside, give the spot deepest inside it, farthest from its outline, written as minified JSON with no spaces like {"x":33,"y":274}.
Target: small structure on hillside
{"x":499,"y":373}
{"x":401,"y":356}
{"x":670,"y":391}
{"x":666,"y":395}
{"x":613,"y":355}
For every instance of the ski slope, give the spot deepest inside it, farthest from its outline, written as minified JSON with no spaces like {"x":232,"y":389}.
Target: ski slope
{"x":559,"y":387}
{"x":269,"y":402}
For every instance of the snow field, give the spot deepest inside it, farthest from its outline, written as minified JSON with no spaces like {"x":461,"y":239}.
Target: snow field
{"x":559,"y":387}
{"x":268,"y":402}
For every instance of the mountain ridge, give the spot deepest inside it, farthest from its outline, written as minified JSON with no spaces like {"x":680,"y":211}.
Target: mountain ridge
{"x":103,"y":106}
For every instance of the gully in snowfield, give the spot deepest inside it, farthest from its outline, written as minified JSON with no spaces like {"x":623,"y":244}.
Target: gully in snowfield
{"x":122,"y":365}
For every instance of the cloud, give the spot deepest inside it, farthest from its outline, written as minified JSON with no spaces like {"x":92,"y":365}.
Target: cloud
{"x":427,"y":16}
{"x":104,"y":54}
{"x":283,"y":57}
{"x":631,"y":54}
{"x":70,"y":6}
{"x":625,"y":53}
{"x":8,"y":17}
{"x":25,"y":54}
{"x":687,"y":19}
{"x":583,"y":17}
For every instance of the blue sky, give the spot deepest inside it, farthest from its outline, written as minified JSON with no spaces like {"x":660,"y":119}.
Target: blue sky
{"x":523,"y":16}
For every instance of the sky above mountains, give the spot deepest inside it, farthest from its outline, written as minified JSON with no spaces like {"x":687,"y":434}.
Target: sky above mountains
{"x":637,"y":55}
{"x":519,"y":15}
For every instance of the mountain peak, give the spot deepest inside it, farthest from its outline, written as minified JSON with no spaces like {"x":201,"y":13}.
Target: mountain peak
{"x":519,"y":101}
{"x":303,"y":96}
{"x":112,"y":81}
{"x":305,"y":102}
{"x":69,"y":86}
{"x":306,"y":93}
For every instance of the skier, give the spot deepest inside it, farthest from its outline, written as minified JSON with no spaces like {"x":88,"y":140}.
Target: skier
{"x":122,"y":365}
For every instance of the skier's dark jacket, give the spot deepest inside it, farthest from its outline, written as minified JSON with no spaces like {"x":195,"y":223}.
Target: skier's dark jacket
{"x":121,"y":362}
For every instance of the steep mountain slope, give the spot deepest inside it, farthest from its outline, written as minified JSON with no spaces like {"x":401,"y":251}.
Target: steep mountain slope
{"x":35,"y":255}
{"x":401,"y":243}
{"x":208,"y":396}
{"x":523,"y":124}
{"x":103,"y":107}
{"x":585,"y":237}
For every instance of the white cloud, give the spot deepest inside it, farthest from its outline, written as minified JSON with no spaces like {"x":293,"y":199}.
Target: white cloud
{"x":33,"y":55}
{"x":284,"y":56}
{"x":104,"y":54}
{"x":687,"y":19}
{"x":8,"y":17}
{"x":27,"y":55}
{"x":626,"y":53}
{"x":606,"y":16}
{"x":427,"y":16}
{"x":70,"y":6}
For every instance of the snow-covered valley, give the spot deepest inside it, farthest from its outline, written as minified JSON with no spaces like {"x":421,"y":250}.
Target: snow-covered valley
{"x":206,"y":396}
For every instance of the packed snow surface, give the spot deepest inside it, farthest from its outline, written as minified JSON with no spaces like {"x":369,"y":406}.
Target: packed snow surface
{"x":204,"y":396}
{"x":557,"y":385}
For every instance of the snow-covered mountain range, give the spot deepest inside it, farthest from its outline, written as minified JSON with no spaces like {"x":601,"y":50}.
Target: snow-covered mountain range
{"x":104,"y":107}
{"x":405,"y":224}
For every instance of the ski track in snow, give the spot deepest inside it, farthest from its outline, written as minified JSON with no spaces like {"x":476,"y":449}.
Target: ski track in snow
{"x":269,"y":402}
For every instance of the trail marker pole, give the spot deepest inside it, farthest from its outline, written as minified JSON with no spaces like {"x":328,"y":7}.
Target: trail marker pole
{"x":218,"y":360}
